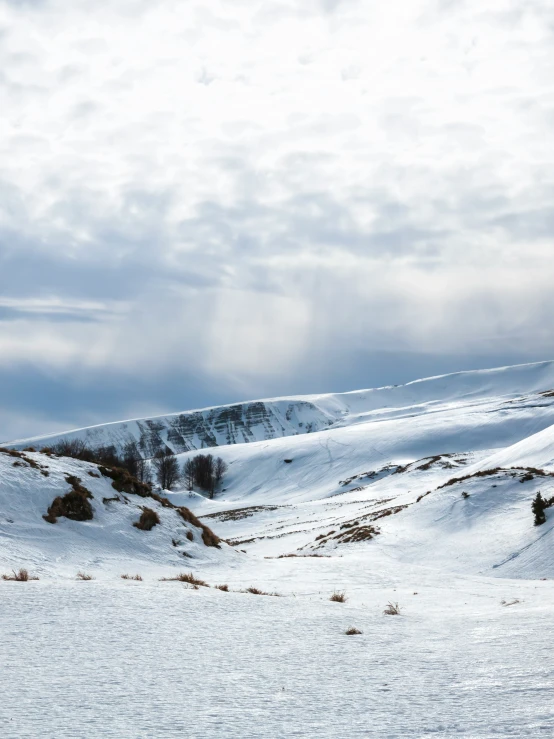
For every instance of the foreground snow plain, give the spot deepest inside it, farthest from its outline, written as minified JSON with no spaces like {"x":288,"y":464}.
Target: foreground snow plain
{"x":151,"y":659}
{"x":468,"y":656}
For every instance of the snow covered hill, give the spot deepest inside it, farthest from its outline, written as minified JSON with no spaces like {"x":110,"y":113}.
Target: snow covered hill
{"x":497,"y":391}
{"x":418,"y":496}
{"x":374,"y":473}
{"x":102,"y":533}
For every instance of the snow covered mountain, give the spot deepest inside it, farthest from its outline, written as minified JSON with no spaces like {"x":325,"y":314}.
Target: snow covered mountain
{"x":500,"y":392}
{"x":424,"y":472}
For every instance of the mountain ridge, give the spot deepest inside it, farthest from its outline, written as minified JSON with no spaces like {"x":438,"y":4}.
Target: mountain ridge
{"x":270,"y":418}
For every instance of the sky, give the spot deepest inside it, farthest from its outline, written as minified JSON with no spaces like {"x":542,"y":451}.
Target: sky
{"x":206,"y":202}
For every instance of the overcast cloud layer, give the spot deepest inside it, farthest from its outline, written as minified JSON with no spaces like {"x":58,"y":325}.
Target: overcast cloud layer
{"x":202,"y":202}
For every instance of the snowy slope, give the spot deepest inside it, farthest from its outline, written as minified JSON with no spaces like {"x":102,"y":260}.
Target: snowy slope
{"x":375,"y":476}
{"x":109,"y":541}
{"x":534,"y":451}
{"x":419,"y":495}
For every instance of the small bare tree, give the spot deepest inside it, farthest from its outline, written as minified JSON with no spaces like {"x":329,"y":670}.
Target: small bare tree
{"x":167,"y":468}
{"x":188,"y":474}
{"x":220,"y":469}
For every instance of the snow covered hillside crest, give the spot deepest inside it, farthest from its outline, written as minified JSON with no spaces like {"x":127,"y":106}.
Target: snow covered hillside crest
{"x":59,"y":515}
{"x":438,"y":473}
{"x":263,"y":420}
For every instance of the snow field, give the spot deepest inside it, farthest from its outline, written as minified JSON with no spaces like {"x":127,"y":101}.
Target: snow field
{"x":120,"y":659}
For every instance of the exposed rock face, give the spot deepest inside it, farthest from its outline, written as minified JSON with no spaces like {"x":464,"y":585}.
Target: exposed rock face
{"x":232,"y":424}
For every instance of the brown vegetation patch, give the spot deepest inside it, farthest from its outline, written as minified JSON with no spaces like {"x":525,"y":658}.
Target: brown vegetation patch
{"x":73,"y":505}
{"x":148,"y":519}
{"x":392,"y":609}
{"x":22,"y":575}
{"x":208,"y":536}
{"x":131,"y":577}
{"x":358,"y":533}
{"x":352,"y":630}
{"x":187,"y":577}
{"x":530,"y":472}
{"x":124,"y":482}
{"x":84,"y":576}
{"x":389,"y":512}
{"x":239,"y":513}
{"x":12,"y":452}
{"x":338,"y":597}
{"x":257,"y":591}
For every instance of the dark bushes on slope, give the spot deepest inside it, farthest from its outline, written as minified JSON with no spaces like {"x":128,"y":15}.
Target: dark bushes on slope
{"x":208,"y":536}
{"x":538,"y":506}
{"x":124,"y":482}
{"x":148,"y":519}
{"x":73,"y":505}
{"x":205,"y":471}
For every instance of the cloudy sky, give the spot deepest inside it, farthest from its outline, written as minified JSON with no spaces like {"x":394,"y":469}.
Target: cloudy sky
{"x":203,"y":202}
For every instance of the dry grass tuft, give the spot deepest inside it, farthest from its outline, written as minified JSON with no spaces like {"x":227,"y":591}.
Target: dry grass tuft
{"x":352,"y":630}
{"x":187,"y":577}
{"x":73,"y":505}
{"x":84,"y":576}
{"x":392,"y":609}
{"x":148,"y":519}
{"x":225,"y":588}
{"x":131,"y":577}
{"x":208,"y":536}
{"x":257,"y":591}
{"x":338,"y":597}
{"x":22,"y":575}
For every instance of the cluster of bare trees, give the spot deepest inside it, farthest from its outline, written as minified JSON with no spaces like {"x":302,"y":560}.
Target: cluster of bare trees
{"x":204,"y":471}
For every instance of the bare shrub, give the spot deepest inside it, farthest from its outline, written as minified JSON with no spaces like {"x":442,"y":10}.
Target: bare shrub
{"x":73,"y":505}
{"x":338,"y":597}
{"x":208,"y":536}
{"x":352,"y":630}
{"x":22,"y":575}
{"x":131,"y":577}
{"x":124,"y":482}
{"x":225,"y":588}
{"x":148,"y":519}
{"x":257,"y":591}
{"x":392,"y":609}
{"x":84,"y":576}
{"x":187,"y":577}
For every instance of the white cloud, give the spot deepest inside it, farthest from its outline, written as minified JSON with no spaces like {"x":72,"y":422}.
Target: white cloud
{"x":244,"y":185}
